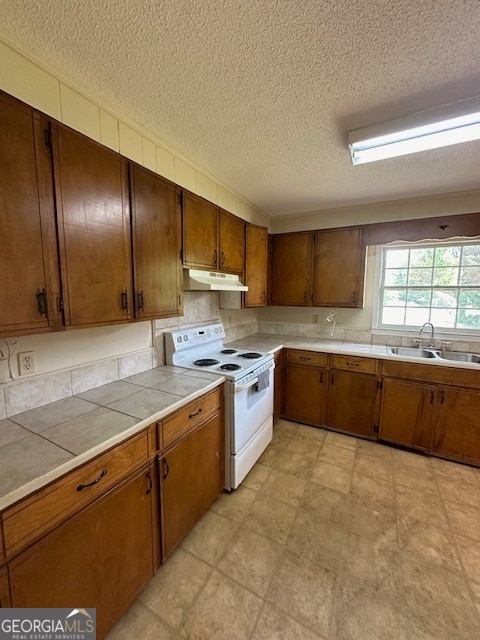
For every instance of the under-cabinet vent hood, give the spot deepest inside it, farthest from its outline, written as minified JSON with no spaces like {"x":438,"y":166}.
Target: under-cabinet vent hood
{"x":195,"y":280}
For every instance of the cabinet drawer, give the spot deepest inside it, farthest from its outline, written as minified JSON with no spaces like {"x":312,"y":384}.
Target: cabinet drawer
{"x":50,"y":506}
{"x":188,"y":418}
{"x":352,"y":363}
{"x":307,"y":357}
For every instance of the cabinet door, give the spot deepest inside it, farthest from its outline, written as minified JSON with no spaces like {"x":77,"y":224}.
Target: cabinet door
{"x":457,"y":428}
{"x":339,"y":268}
{"x":191,"y":477}
{"x":156,"y":245}
{"x":100,"y":558}
{"x":292,"y":269}
{"x":351,"y":403}
{"x":406,"y":415}
{"x":4,"y":589}
{"x":200,"y":233}
{"x":256,"y":258}
{"x":305,"y":394}
{"x":94,"y":230}
{"x":27,"y":222}
{"x":232,"y":243}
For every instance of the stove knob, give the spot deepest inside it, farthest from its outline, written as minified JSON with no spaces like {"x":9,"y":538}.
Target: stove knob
{"x":179,"y":338}
{"x":185,"y":338}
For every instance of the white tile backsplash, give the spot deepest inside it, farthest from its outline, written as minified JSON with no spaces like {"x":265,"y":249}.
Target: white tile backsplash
{"x":28,"y":394}
{"x":134,"y":363}
{"x":94,"y":375}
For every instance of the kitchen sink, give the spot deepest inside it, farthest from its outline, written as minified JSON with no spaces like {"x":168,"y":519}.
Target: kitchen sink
{"x":460,"y":356}
{"x":412,"y":352}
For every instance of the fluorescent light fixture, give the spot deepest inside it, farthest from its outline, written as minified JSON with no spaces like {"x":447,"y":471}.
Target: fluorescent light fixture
{"x":431,"y":129}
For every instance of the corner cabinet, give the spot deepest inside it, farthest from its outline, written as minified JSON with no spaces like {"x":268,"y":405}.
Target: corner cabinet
{"x":319,"y":269}
{"x":101,"y":557}
{"x":28,"y":253}
{"x":212,"y":238}
{"x":292,"y":255}
{"x":91,"y":186}
{"x":256,"y":263}
{"x":339,"y":268}
{"x":156,"y":242}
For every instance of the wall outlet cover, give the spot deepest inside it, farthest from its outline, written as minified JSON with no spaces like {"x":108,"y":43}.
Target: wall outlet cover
{"x":26,"y":362}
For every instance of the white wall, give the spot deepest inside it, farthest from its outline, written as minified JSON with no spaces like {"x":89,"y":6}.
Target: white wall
{"x":407,"y":209}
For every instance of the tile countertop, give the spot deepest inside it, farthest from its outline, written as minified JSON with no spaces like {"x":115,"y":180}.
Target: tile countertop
{"x":272,"y":343}
{"x":39,"y":446}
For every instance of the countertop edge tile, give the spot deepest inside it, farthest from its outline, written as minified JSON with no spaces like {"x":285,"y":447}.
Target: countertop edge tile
{"x":34,"y":485}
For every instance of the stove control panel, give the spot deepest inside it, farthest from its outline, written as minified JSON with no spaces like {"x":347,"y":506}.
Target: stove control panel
{"x":191,"y":338}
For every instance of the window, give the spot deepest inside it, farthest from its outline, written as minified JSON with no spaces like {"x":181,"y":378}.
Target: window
{"x":437,"y":283}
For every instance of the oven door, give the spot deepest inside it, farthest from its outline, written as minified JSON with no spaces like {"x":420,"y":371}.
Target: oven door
{"x":251,"y":409}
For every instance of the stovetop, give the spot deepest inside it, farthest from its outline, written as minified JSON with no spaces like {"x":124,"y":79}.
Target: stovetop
{"x":202,"y":348}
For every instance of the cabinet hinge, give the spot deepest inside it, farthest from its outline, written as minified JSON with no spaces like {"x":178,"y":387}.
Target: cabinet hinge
{"x":42,"y":303}
{"x":48,"y":137}
{"x":379,"y":384}
{"x":375,"y":429}
{"x":59,"y":304}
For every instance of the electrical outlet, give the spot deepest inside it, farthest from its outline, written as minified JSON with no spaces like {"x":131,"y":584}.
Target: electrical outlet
{"x":315,"y":319}
{"x":26,"y":362}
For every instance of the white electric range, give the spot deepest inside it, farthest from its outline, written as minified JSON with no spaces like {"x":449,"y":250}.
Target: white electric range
{"x":248,"y":392}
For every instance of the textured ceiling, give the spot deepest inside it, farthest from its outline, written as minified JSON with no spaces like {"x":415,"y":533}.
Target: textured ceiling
{"x":262,"y":92}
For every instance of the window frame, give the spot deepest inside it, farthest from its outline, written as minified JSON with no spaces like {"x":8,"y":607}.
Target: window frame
{"x":378,"y":327}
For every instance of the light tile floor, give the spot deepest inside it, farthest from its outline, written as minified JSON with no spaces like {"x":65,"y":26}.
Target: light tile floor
{"x":329,"y":537}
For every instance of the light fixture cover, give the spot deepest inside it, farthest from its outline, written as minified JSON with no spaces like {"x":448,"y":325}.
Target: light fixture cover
{"x":431,"y":129}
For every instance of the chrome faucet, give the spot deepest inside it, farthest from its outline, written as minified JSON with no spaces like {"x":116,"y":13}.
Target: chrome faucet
{"x":432,"y":341}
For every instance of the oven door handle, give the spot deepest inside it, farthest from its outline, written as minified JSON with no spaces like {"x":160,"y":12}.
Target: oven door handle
{"x":242,"y":387}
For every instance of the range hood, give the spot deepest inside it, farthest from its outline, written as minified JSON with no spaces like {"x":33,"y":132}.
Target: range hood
{"x":195,"y":280}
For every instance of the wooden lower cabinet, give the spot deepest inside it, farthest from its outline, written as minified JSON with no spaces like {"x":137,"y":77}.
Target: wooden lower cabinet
{"x":352,"y":402}
{"x":305,"y":394}
{"x":457,"y":426}
{"x":102,"y":557}
{"x":191,"y":478}
{"x":406,"y":414}
{"x":4,"y":589}
{"x":279,"y":385}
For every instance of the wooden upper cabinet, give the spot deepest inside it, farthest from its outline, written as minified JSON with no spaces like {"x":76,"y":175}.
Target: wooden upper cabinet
{"x":200,"y":232}
{"x":231,"y":257}
{"x":256,"y":261}
{"x":292,"y":269}
{"x":94,"y":231}
{"x":27,"y":222}
{"x":339,"y":268}
{"x":156,"y":233}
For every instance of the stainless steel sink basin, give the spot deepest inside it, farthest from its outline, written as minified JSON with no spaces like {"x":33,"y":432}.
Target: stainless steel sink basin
{"x":460,"y":356}
{"x":412,"y":352}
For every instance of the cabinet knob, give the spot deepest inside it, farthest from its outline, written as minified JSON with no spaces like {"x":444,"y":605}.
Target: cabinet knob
{"x":140,"y":299}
